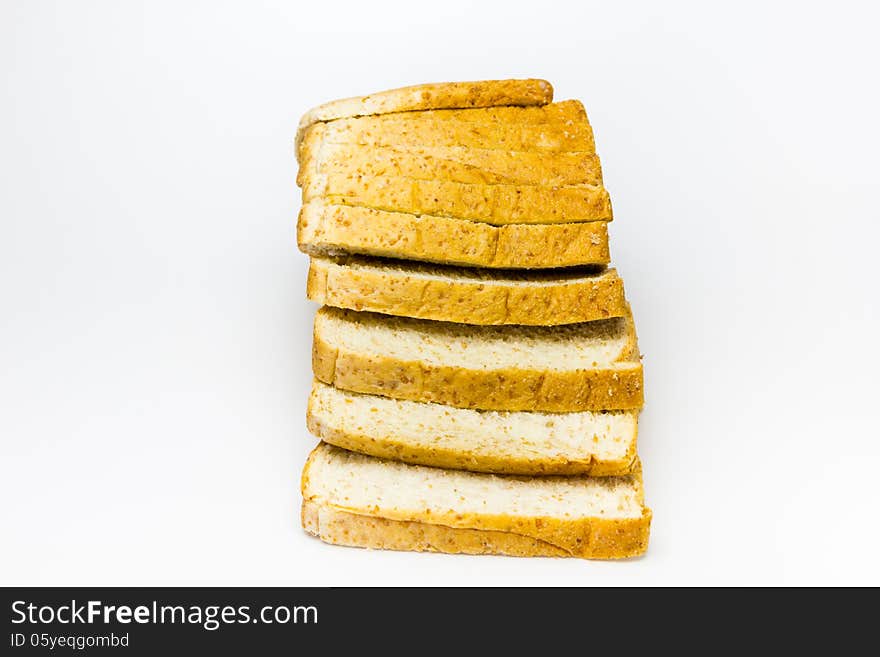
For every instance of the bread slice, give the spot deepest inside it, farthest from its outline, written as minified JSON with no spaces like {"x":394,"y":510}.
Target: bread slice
{"x":469,"y":296}
{"x":504,"y":442}
{"x":496,"y":204}
{"x":566,"y":111}
{"x":420,"y":130}
{"x":440,"y":95}
{"x":356,"y":500}
{"x":579,"y":367}
{"x":452,"y":163}
{"x":327,"y":229}
{"x":434,"y":127}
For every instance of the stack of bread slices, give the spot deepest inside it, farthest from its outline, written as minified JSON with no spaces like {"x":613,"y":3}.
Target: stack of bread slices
{"x":477,"y":379}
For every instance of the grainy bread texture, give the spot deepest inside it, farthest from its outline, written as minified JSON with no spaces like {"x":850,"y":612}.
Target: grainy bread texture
{"x":468,"y":164}
{"x":496,"y":204}
{"x":440,"y":95}
{"x":354,"y":530}
{"x":469,"y":296}
{"x":428,"y":509}
{"x":325,"y":229}
{"x":417,"y":131}
{"x":451,"y":163}
{"x":565,"y":112}
{"x":578,"y":367}
{"x":504,"y":442}
{"x":551,"y":128}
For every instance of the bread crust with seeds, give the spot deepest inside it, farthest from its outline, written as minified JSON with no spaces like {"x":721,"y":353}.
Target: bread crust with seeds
{"x":465,"y":296}
{"x":438,"y":95}
{"x":327,"y":229}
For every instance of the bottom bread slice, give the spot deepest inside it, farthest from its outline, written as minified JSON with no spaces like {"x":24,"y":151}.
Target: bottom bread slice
{"x":357,"y":500}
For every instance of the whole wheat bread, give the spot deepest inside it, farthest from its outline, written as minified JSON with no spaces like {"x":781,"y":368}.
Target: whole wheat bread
{"x":357,"y":500}
{"x":327,"y":229}
{"x":438,"y":95}
{"x":505,"y":442}
{"x":578,"y":367}
{"x":496,"y":204}
{"x":417,"y":130}
{"x":469,"y":296}
{"x":451,"y":163}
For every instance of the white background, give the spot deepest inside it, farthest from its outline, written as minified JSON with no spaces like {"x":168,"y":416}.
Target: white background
{"x":154,"y":336}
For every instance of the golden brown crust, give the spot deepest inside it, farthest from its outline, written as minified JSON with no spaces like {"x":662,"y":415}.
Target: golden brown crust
{"x":587,"y":538}
{"x":506,"y":389}
{"x":417,"y":131}
{"x":452,"y":163}
{"x":396,"y":291}
{"x":563,"y":112}
{"x":435,"y":125}
{"x":442,"y":95}
{"x":353,"y":530}
{"x":614,"y":387}
{"x":440,"y":456}
{"x":338,"y":229}
{"x":496,"y":204}
{"x":408,"y":157}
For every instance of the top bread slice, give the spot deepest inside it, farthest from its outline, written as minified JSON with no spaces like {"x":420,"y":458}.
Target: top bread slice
{"x":423,"y":129}
{"x":441,"y":145}
{"x":353,"y":499}
{"x":469,"y":296}
{"x":592,"y":366}
{"x":339,"y":165}
{"x":560,"y":112}
{"x":441,"y":95}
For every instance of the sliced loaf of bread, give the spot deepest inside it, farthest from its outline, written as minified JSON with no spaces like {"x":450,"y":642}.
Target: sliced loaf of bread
{"x":577,"y":367}
{"x":356,"y":500}
{"x":506,"y":442}
{"x":328,"y":229}
{"x":469,"y":296}
{"x":440,"y":95}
